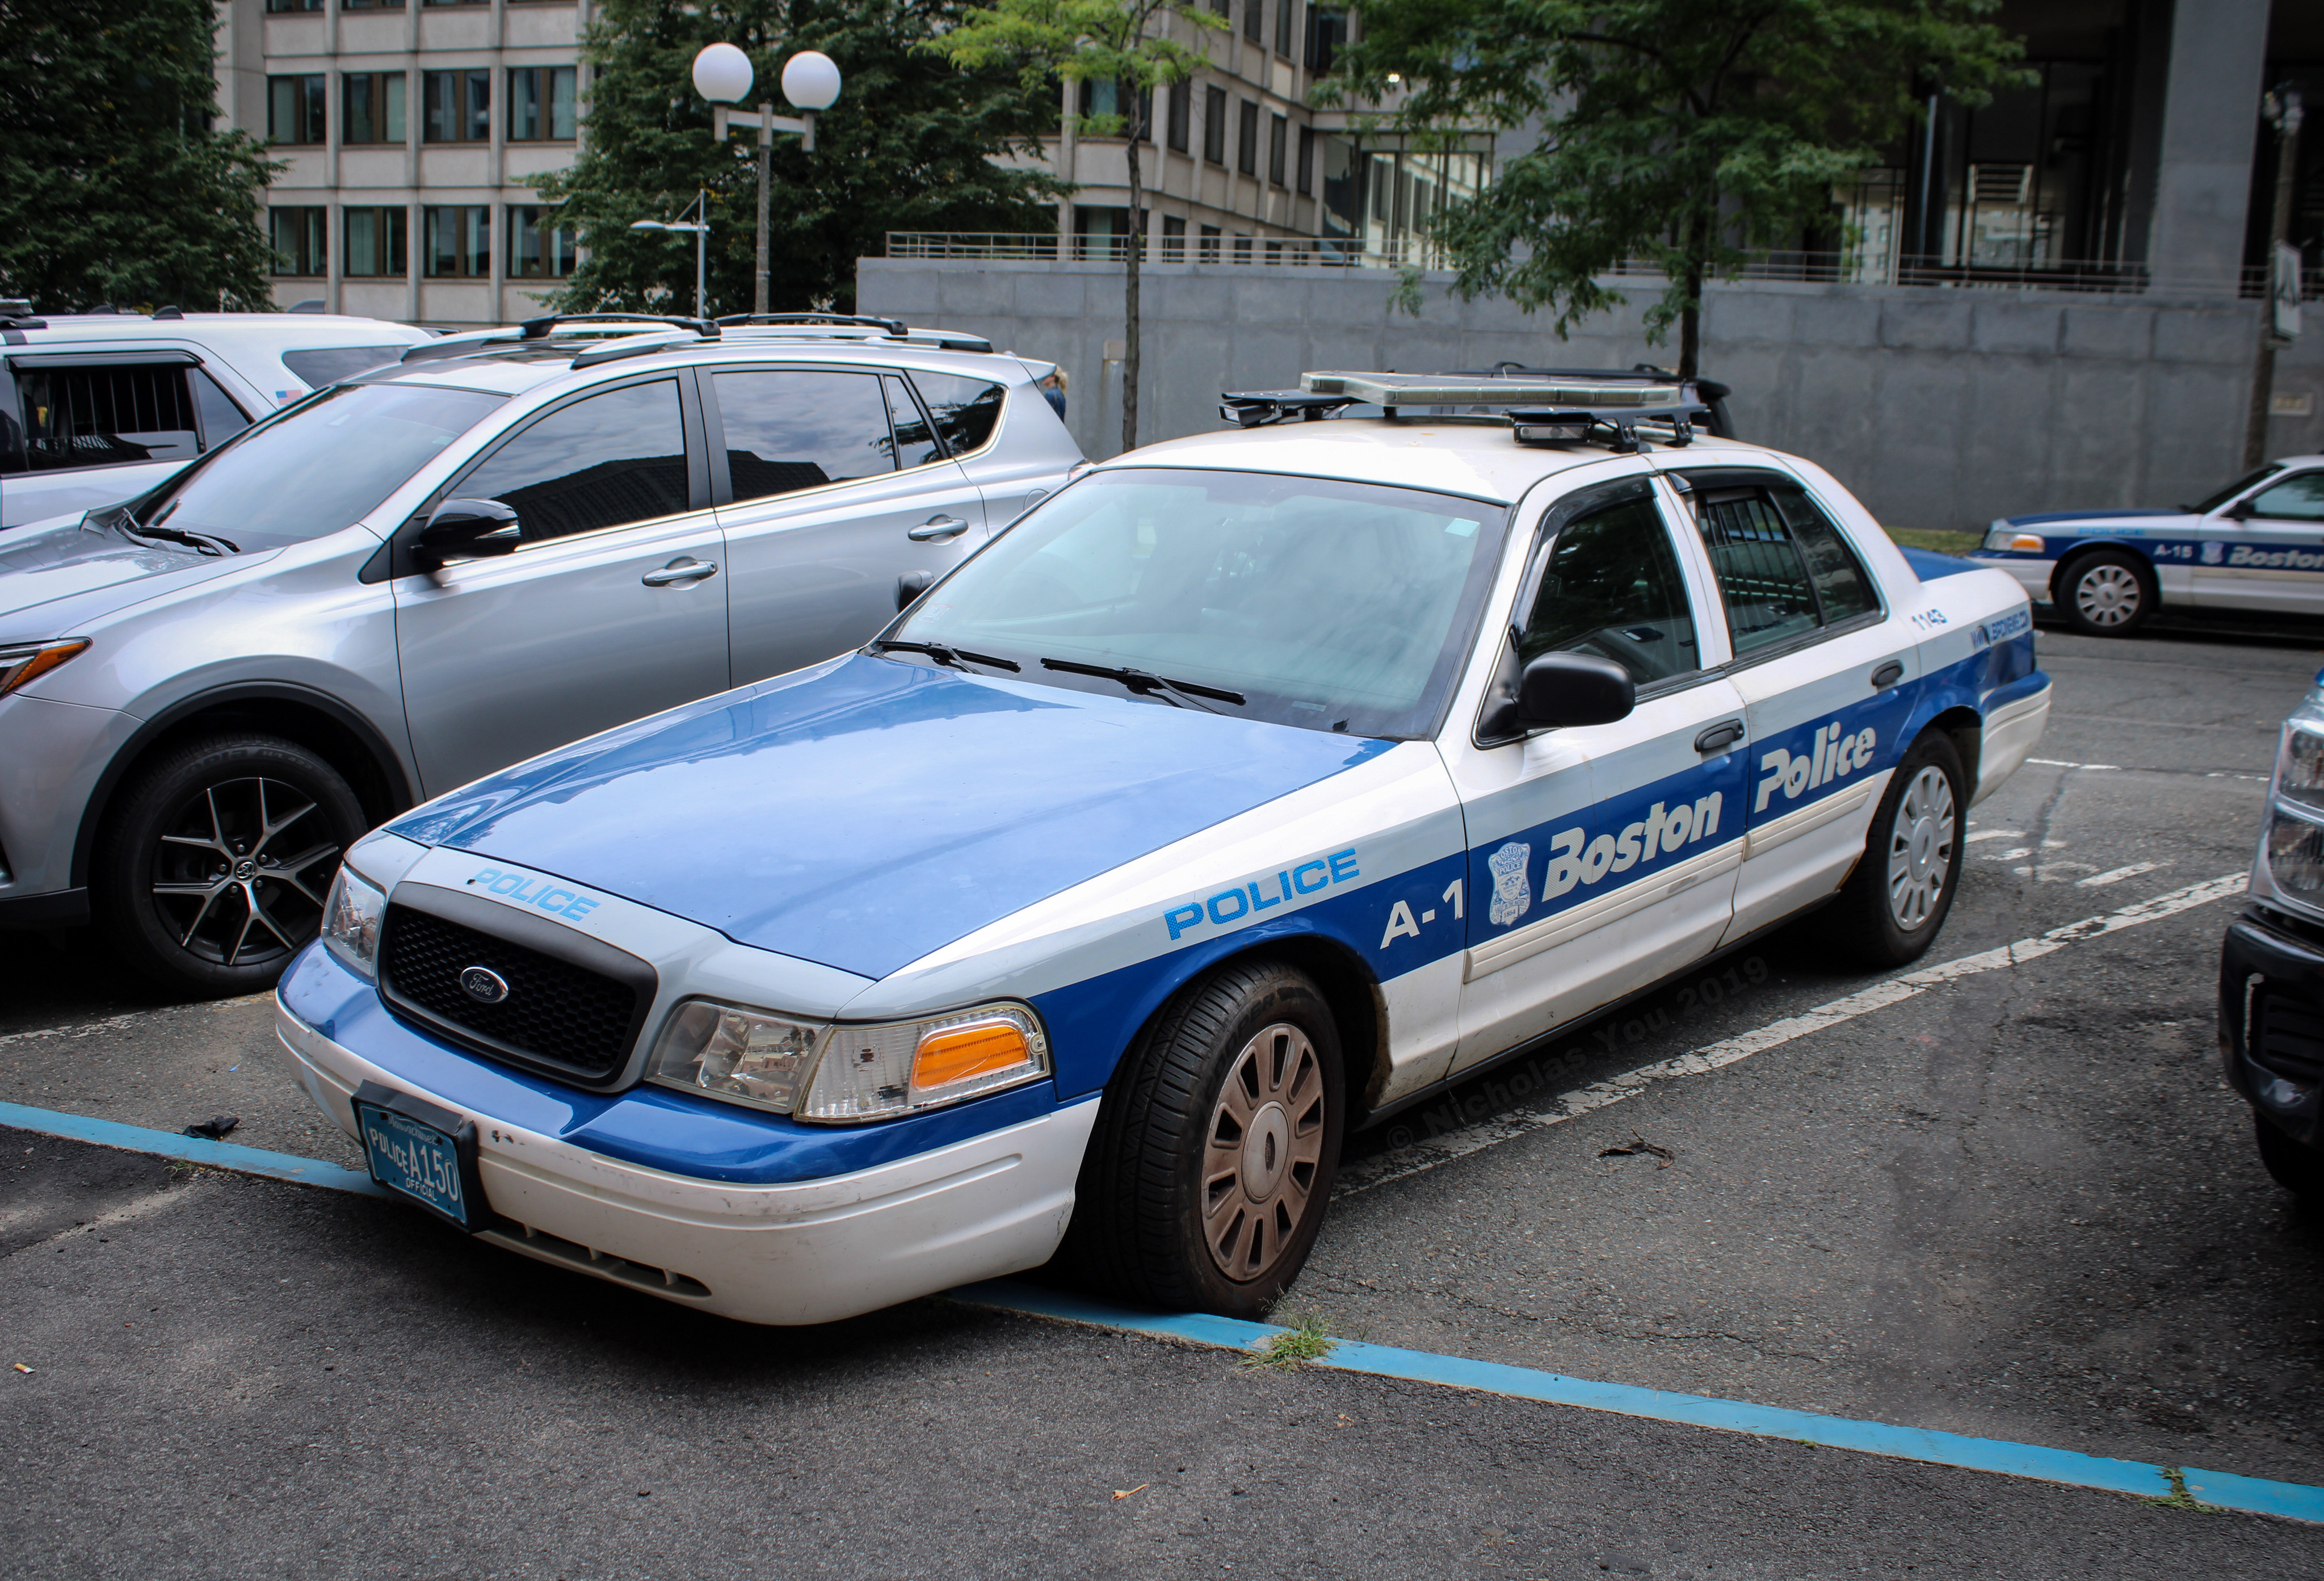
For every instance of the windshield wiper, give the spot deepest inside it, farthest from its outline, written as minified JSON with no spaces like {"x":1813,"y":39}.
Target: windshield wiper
{"x":943,"y":655}
{"x":200,"y":540}
{"x":1179,"y":694}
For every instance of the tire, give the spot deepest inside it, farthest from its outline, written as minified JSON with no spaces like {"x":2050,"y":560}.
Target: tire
{"x":2298,"y":1169}
{"x":213,"y":860}
{"x":1213,"y":1160}
{"x":1892,"y":906}
{"x":2108,"y":593}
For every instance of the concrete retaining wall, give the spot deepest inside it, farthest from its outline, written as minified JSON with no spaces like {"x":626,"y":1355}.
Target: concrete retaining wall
{"x":1940,"y":408}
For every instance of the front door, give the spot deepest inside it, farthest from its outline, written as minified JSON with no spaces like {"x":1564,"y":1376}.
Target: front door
{"x":836,"y":489}
{"x":2273,"y":557}
{"x":613,"y":607}
{"x":1600,"y":858}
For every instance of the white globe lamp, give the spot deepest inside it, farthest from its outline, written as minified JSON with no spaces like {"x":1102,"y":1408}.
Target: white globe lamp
{"x":723,"y":74}
{"x":810,"y":80}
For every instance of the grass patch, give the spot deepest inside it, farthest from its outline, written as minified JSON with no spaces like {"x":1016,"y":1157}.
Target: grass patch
{"x":1305,"y":1341}
{"x":1937,"y":539}
{"x":2181,"y":1499}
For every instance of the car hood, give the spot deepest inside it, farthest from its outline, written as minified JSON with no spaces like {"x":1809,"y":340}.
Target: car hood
{"x":56,"y":575}
{"x":2095,"y":518}
{"x":866,"y":812}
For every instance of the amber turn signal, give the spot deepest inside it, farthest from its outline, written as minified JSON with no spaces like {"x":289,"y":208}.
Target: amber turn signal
{"x":979,"y":1048}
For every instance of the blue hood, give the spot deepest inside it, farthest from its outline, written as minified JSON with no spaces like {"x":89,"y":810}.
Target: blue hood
{"x":2040,"y":518}
{"x":866,"y":813}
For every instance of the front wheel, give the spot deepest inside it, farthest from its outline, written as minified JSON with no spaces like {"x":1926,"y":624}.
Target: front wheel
{"x":1891,"y":908}
{"x":1208,"y":1173}
{"x":212,"y":866}
{"x":2107,"y":594}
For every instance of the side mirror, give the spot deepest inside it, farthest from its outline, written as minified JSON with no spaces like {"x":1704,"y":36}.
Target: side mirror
{"x":1560,"y":688}
{"x":2241,"y":512}
{"x":910,"y":585}
{"x":465,"y":529}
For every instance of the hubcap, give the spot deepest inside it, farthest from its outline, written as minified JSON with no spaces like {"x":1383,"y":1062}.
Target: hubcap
{"x":2107,"y":595}
{"x":1921,"y":849}
{"x":1265,"y":1148}
{"x":236,"y":874}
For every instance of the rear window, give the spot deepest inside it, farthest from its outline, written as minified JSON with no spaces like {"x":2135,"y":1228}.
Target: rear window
{"x":966,"y":411}
{"x":1784,"y":570}
{"x":106,"y":416}
{"x":323,"y":366}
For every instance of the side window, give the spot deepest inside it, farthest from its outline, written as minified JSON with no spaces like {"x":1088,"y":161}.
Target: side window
{"x":221,"y":418}
{"x":789,"y":428}
{"x":1611,"y":586}
{"x":106,"y":415}
{"x":915,"y":441}
{"x":1761,"y":578}
{"x":603,"y":461}
{"x":1842,"y":589}
{"x":2298,"y":498}
{"x":966,"y":410}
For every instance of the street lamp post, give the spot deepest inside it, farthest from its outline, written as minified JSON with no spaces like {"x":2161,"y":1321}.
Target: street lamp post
{"x":722,"y":75}
{"x":700,"y":227}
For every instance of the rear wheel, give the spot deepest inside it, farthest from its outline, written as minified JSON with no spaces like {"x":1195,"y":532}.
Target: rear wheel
{"x":1207,"y":1177}
{"x":1893,"y":904}
{"x":213,"y":861}
{"x":2108,"y":593}
{"x":2298,"y":1169}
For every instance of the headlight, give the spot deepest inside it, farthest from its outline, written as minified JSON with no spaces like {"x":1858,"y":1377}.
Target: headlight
{"x":351,"y":917}
{"x":2299,"y":765}
{"x":20,"y":664}
{"x":2002,"y":535}
{"x":2295,"y":858}
{"x":818,"y":1071}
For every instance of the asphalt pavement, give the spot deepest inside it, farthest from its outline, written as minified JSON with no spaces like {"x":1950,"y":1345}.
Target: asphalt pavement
{"x":2018,"y":1203}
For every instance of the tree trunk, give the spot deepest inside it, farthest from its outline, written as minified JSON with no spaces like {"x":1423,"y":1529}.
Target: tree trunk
{"x":1129,"y":285}
{"x":1690,"y":319}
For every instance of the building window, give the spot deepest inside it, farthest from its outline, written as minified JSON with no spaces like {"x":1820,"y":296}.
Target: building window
{"x":456,"y":2}
{"x":299,"y":234}
{"x":540,"y":103}
{"x":534,"y":254}
{"x":375,"y":242}
{"x":1285,"y":13}
{"x":1209,"y":243}
{"x":1327,"y":35}
{"x":1111,"y":99}
{"x":371,"y":106}
{"x":1278,"y":132}
{"x":459,"y":106}
{"x":1246,"y":143}
{"x":456,"y":241}
{"x":369,"y":5}
{"x":1306,"y":160}
{"x":1254,"y":20}
{"x":1243,"y":249}
{"x":1214,"y":123}
{"x":1223,"y":7}
{"x":1180,"y":110}
{"x":1101,"y":233}
{"x":294,"y":109}
{"x":1174,"y":239}
{"x":277,"y":7}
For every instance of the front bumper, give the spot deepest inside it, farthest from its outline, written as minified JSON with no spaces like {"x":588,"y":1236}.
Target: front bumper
{"x":2271,"y":1018}
{"x":805,"y":1251}
{"x":2033,"y":575}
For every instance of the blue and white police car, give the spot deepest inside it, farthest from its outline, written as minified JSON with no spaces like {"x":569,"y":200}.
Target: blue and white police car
{"x":1250,"y":789}
{"x":2258,"y":544}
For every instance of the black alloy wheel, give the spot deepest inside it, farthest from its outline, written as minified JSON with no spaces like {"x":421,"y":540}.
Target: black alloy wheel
{"x":214,"y":864}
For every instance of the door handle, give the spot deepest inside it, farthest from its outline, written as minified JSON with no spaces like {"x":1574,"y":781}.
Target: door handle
{"x":937,"y":529}
{"x":1718,"y":737}
{"x":680,"y":570}
{"x":1887,"y":675}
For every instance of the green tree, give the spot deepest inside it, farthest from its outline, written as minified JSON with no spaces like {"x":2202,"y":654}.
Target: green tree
{"x":112,"y":187}
{"x":908,"y":146}
{"x":1120,"y":41}
{"x":1695,"y":133}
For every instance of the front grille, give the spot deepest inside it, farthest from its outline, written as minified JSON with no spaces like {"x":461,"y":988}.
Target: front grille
{"x":556,"y":1012}
{"x":2288,"y":1039}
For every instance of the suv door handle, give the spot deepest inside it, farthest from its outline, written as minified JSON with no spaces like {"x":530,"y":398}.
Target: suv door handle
{"x":937,"y":529}
{"x":679,"y":570}
{"x":1887,"y":675}
{"x":1718,"y":737}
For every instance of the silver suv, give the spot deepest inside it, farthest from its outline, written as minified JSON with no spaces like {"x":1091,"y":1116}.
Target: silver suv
{"x":434,"y":569}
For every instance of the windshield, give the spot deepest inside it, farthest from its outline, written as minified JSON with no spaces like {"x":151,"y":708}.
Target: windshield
{"x":2213,"y":502}
{"x":319,"y":467}
{"x":1331,"y":605}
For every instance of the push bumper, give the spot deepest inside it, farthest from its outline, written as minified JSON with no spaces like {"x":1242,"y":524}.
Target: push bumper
{"x":807,"y":1251}
{"x":2272,"y":1020}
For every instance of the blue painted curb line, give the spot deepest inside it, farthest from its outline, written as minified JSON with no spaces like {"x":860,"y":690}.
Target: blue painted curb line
{"x":193,"y":1150}
{"x":2222,"y":1490}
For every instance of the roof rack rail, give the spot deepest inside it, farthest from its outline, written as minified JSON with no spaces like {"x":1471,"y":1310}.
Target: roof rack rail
{"x":605,"y":351}
{"x":895,"y":326}
{"x":538,"y":328}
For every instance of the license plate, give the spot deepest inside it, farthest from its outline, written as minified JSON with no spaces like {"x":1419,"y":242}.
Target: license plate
{"x":421,"y":1152}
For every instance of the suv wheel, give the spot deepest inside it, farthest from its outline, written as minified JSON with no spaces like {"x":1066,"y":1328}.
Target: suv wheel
{"x":2108,"y":593}
{"x":1207,"y":1176}
{"x":212,"y":866}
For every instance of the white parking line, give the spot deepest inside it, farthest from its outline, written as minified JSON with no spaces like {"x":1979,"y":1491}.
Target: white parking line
{"x":2097,"y":880}
{"x":2118,"y":769}
{"x":1430,"y":1153}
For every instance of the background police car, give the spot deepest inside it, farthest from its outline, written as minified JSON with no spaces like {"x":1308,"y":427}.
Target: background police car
{"x":2258,"y":544}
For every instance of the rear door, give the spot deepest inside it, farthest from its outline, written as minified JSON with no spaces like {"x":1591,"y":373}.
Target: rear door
{"x":612,"y":608}
{"x":1601,"y":857}
{"x":2273,"y":557}
{"x":832,"y":488}
{"x":1826,"y":674}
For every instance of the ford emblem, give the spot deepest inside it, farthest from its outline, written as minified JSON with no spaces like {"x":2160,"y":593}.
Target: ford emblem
{"x":484,"y":985}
